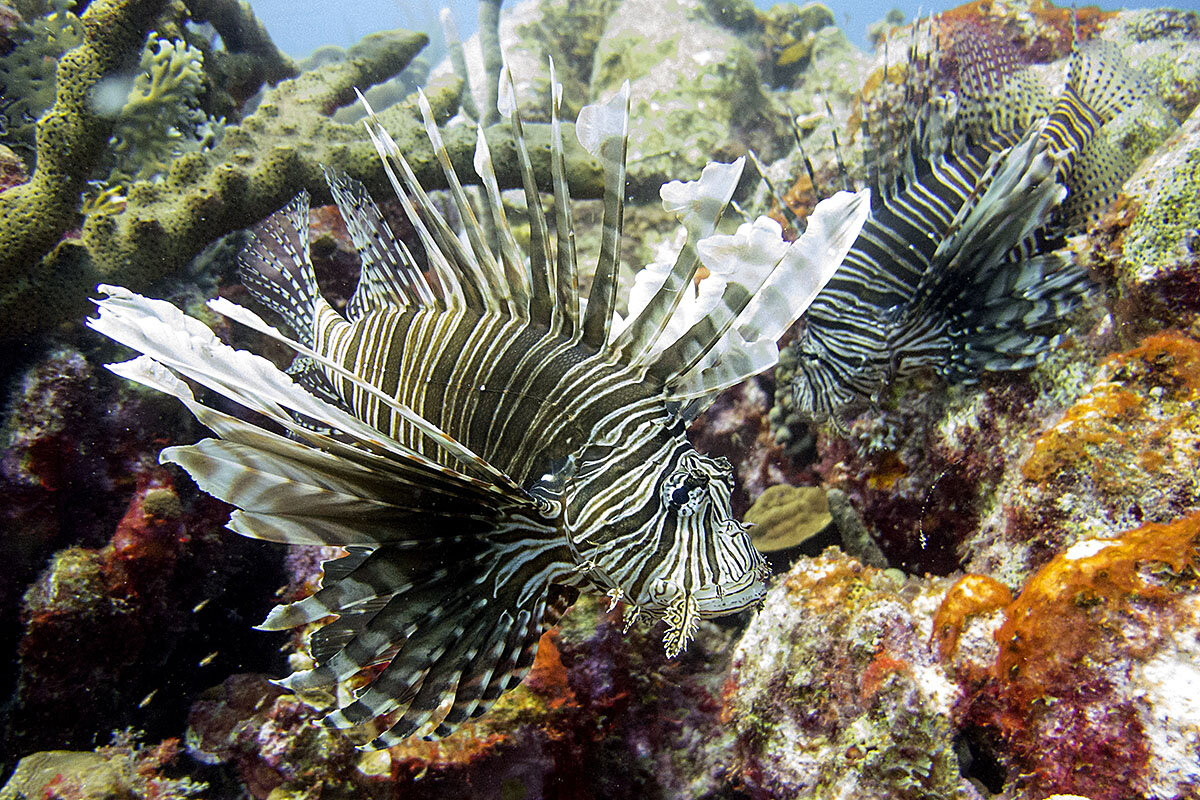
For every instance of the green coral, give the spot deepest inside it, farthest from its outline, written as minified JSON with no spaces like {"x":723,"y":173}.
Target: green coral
{"x":255,"y":169}
{"x":569,"y":31}
{"x":155,"y":120}
{"x":71,"y":139}
{"x":785,"y":516}
{"x":161,"y":119}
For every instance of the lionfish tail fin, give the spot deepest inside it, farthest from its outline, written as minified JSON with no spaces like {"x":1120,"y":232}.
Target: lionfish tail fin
{"x":1102,"y":79}
{"x":276,"y":268}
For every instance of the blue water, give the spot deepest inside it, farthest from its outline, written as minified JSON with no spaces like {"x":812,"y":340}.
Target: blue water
{"x":300,"y":26}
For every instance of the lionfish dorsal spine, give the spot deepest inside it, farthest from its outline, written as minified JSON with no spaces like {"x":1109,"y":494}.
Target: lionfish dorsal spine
{"x":450,"y":289}
{"x":479,"y":267}
{"x":603,"y":130}
{"x":542,"y":293}
{"x":567,"y":278}
{"x":515,"y":270}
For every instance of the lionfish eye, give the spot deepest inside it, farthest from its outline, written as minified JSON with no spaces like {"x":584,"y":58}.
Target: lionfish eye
{"x":680,"y":495}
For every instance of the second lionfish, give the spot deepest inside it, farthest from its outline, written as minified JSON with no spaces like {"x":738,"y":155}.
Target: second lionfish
{"x":484,"y":444}
{"x":962,"y":267}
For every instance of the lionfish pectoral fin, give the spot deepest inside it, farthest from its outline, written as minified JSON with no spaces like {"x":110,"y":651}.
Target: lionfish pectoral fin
{"x":452,"y":638}
{"x":659,"y":289}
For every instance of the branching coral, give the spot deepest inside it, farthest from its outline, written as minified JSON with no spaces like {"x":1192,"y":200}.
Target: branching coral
{"x":26,"y":80}
{"x":161,"y":118}
{"x":71,"y":138}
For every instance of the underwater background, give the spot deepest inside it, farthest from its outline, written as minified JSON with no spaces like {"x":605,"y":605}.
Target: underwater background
{"x":985,"y":585}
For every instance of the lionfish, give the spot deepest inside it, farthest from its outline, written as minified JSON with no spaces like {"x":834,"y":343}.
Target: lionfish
{"x":482,"y":443}
{"x":962,"y":266}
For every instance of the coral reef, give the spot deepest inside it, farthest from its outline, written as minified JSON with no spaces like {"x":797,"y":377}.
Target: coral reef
{"x":1093,"y":655}
{"x":71,"y":137}
{"x":600,"y":715}
{"x":790,"y":38}
{"x":27,"y":75}
{"x":856,"y":681}
{"x":94,"y":622}
{"x":1052,"y":651}
{"x":124,"y":769}
{"x":161,"y":118}
{"x":695,"y":86}
{"x":835,"y":691}
{"x":1124,"y":453}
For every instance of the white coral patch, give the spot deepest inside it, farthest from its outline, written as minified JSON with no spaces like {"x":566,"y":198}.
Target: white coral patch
{"x":1087,"y":548}
{"x":1169,"y":683}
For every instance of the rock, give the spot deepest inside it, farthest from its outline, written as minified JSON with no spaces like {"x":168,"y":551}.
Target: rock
{"x":1151,"y":242}
{"x":1094,"y":685}
{"x":1124,"y":453}
{"x":124,"y":770}
{"x":695,"y":88}
{"x":835,"y":691}
{"x":88,"y":776}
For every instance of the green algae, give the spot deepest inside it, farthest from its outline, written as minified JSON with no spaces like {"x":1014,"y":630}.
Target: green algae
{"x":1159,"y":235}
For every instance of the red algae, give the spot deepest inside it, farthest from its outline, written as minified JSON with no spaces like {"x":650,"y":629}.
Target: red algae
{"x":1062,"y":695}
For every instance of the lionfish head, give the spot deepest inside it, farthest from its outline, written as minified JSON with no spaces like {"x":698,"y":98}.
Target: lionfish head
{"x":666,"y":540}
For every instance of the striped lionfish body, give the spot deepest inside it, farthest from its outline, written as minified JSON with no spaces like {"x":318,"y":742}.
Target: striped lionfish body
{"x":484,"y":444}
{"x":962,"y":267}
